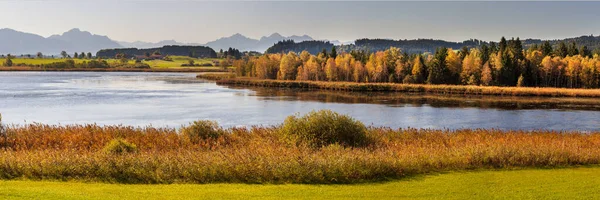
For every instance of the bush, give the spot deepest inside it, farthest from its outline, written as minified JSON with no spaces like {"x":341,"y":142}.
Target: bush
{"x":325,"y":127}
{"x":202,"y":130}
{"x":120,"y":146}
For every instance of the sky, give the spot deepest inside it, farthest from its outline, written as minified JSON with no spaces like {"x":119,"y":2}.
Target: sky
{"x":203,"y":21}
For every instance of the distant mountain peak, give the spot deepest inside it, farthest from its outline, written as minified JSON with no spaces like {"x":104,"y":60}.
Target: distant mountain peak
{"x":275,"y":35}
{"x":73,"y":40}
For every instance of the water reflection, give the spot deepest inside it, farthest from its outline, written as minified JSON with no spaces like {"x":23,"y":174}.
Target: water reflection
{"x":174,"y":99}
{"x":418,"y":100}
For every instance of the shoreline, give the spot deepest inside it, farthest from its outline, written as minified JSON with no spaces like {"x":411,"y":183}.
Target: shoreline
{"x":415,"y":88}
{"x":37,"y":69}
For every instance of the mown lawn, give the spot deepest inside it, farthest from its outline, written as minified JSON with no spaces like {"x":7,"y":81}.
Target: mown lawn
{"x":572,"y":183}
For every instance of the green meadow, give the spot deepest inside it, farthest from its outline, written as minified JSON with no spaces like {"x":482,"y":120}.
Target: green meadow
{"x":176,"y":62}
{"x":569,"y":183}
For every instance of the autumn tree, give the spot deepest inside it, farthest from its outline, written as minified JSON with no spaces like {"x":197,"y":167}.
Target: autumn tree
{"x":471,"y":68}
{"x":419,"y":71}
{"x":288,"y":67}
{"x":454,"y":65}
{"x":331,"y":70}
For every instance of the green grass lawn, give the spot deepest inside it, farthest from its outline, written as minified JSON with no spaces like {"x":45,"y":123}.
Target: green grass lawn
{"x":176,"y":63}
{"x":573,"y":183}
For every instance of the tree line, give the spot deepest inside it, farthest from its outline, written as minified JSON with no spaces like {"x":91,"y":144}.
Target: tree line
{"x":505,"y":63}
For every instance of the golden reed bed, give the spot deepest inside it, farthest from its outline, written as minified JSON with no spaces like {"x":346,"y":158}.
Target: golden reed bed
{"x":417,"y":88}
{"x":261,"y":155}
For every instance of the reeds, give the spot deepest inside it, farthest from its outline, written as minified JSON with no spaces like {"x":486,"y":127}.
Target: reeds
{"x":417,"y":88}
{"x":216,"y":76}
{"x":260,"y":155}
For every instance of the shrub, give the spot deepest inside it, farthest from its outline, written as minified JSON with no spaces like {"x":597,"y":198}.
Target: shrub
{"x":325,"y":127}
{"x":202,"y":130}
{"x":120,"y":146}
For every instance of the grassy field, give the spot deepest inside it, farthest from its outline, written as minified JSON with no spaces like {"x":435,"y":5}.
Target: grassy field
{"x":571,"y":183}
{"x":416,"y":88}
{"x":176,"y":63}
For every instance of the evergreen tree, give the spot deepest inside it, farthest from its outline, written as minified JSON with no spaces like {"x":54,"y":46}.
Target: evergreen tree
{"x":89,"y":55}
{"x":546,"y":49}
{"x":324,"y":52}
{"x":562,"y":50}
{"x":507,"y":70}
{"x":493,"y":47}
{"x":573,"y":49}
{"x":438,"y":70}
{"x":333,"y":53}
{"x":502,"y":45}
{"x":485,"y":53}
{"x":584,"y":51}
{"x":464,"y":52}
{"x":75,"y":55}
{"x":517,"y":49}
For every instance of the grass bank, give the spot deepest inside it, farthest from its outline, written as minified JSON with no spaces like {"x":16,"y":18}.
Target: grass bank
{"x":187,"y":69}
{"x":175,"y":64}
{"x":573,"y":183}
{"x":205,"y":153}
{"x":416,"y":88}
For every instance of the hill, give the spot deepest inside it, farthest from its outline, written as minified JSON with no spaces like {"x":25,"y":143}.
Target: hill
{"x":195,"y":51}
{"x":313,"y":47}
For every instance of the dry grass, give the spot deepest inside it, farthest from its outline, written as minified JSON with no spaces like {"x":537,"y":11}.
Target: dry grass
{"x":216,"y":76}
{"x":417,"y":88}
{"x":260,"y":155}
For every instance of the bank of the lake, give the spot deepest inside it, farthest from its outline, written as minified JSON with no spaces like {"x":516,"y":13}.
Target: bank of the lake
{"x":152,"y":69}
{"x":570,"y":183}
{"x":415,"y":88}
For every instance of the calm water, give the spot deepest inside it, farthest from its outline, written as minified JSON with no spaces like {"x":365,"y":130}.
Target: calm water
{"x":172,"y":99}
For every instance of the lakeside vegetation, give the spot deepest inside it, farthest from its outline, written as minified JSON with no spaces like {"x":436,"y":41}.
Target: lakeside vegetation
{"x":169,"y":64}
{"x":505,"y":63}
{"x":570,"y":183}
{"x":420,"y":100}
{"x":321,"y":147}
{"x":415,"y":88}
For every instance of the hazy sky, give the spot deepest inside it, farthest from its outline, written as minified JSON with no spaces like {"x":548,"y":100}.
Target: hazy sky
{"x":201,"y":21}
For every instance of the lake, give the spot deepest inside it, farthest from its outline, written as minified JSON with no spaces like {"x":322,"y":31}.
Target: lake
{"x":175,"y":99}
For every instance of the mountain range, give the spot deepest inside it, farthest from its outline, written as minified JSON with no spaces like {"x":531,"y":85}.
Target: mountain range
{"x":75,"y":40}
{"x":237,"y":41}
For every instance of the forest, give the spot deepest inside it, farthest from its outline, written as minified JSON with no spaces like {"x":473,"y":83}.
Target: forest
{"x":505,"y":63}
{"x":313,"y":47}
{"x":191,"y":51}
